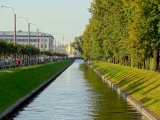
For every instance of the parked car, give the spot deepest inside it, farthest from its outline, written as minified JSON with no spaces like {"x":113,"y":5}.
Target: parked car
{"x":3,"y":63}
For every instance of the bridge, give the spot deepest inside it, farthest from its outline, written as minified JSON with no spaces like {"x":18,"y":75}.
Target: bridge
{"x":74,"y":58}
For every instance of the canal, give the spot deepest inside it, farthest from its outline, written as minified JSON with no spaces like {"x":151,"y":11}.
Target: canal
{"x":78,"y":94}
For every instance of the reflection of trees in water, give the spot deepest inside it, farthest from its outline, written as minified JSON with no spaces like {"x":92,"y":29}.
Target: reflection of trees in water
{"x":107,"y":104}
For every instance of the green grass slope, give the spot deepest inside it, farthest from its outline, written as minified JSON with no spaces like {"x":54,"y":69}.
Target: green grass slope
{"x":144,"y":85}
{"x":15,"y":84}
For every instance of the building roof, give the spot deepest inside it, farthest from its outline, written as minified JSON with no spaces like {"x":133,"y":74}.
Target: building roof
{"x":23,"y":34}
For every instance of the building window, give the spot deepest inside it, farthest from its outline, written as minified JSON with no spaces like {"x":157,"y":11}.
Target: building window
{"x":41,"y":45}
{"x":45,"y":40}
{"x":35,"y":40}
{"x":45,"y":45}
{"x":41,"y":40}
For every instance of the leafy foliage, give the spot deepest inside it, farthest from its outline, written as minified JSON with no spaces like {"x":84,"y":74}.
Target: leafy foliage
{"x":10,"y":49}
{"x":121,"y":30}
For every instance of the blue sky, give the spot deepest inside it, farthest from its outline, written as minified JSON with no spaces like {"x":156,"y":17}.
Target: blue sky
{"x":56,"y":17}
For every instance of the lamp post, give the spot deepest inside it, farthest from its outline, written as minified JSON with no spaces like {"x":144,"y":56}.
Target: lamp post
{"x":43,"y":39}
{"x":63,"y":45}
{"x":28,"y":29}
{"x":48,"y":40}
{"x":37,"y":38}
{"x":37,"y":35}
{"x":14,"y":15}
{"x":58,"y":46}
{"x":43,"y":44}
{"x":55,"y":46}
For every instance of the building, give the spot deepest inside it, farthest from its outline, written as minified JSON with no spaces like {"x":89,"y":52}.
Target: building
{"x":71,"y":52}
{"x":46,"y":41}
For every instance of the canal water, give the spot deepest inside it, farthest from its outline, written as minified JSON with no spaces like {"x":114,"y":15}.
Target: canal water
{"x":78,"y":94}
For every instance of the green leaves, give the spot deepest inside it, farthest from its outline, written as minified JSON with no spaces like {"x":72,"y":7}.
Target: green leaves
{"x":122,"y":28}
{"x":3,"y":46}
{"x":77,"y":44}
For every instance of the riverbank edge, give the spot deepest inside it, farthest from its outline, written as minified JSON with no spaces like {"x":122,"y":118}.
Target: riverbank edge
{"x":13,"y":110}
{"x":144,"y":110}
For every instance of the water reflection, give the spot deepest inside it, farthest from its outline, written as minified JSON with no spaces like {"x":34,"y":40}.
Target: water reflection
{"x":107,"y":104}
{"x":78,"y":94}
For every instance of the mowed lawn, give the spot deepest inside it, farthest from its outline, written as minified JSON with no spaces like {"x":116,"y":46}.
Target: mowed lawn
{"x":15,"y":84}
{"x":143,"y":85}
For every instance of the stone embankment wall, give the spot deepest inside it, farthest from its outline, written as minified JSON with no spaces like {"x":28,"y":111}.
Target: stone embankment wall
{"x":137,"y":104}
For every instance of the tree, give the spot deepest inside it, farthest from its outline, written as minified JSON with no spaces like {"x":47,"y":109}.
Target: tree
{"x":77,"y":44}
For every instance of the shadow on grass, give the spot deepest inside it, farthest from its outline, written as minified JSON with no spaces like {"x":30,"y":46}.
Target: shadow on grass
{"x":151,"y":89}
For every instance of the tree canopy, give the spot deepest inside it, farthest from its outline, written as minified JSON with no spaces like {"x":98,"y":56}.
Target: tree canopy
{"x":123,"y":31}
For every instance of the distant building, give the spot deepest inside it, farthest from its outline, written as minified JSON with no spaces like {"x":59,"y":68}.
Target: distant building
{"x":46,"y":41}
{"x":71,"y":52}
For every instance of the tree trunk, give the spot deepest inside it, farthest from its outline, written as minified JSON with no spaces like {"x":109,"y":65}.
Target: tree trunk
{"x":129,"y":62}
{"x":148,"y":66}
{"x":114,"y":60}
{"x":144,"y":64}
{"x":156,"y":59}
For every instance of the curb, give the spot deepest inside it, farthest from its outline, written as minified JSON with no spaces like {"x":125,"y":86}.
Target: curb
{"x":144,"y":110}
{"x":10,"y":112}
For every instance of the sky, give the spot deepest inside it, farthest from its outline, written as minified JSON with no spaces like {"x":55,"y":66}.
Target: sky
{"x":60,"y":18}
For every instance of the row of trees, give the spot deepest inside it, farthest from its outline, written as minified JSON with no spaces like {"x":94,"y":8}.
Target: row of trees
{"x":122,"y":31}
{"x":20,"y":51}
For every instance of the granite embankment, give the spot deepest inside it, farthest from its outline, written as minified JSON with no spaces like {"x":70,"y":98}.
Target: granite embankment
{"x":140,"y":87}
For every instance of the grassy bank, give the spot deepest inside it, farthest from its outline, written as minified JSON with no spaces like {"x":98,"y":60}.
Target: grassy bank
{"x":143,"y":85}
{"x":15,"y":84}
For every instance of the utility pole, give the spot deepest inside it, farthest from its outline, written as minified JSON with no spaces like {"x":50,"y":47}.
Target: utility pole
{"x":55,"y":46}
{"x":58,"y":46}
{"x":37,"y":34}
{"x":43,"y":39}
{"x":38,"y":38}
{"x":14,"y":15}
{"x":28,"y":29}
{"x":43,"y":42}
{"x":63,"y":45}
{"x":29,"y":33}
{"x":49,"y":42}
{"x":15,"y":29}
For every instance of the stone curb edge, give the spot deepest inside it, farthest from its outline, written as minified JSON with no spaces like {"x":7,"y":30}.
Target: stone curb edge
{"x":10,"y":112}
{"x":137,"y":104}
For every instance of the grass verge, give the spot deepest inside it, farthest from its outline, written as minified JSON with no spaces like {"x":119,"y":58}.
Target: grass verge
{"x":15,"y":84}
{"x":144,"y":85}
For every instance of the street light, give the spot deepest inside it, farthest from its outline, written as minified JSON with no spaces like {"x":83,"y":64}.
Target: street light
{"x":43,"y":44}
{"x":58,"y":46}
{"x":37,"y":38}
{"x":37,"y":35}
{"x":55,"y":46}
{"x":14,"y":15}
{"x":48,"y":41}
{"x":28,"y":29}
{"x":43,"y":39}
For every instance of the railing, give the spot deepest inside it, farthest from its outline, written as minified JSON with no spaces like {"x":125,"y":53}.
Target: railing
{"x":13,"y":66}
